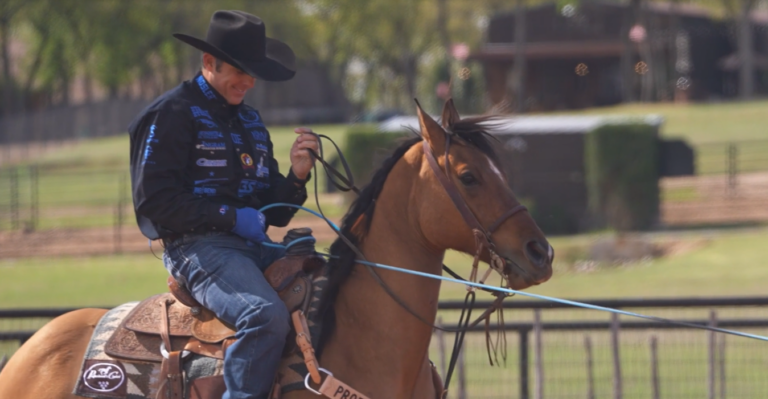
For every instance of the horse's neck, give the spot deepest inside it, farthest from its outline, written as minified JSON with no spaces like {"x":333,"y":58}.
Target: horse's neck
{"x":377,"y":342}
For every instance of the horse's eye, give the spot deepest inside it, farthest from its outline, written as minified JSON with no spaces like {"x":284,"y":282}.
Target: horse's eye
{"x":468,"y":179}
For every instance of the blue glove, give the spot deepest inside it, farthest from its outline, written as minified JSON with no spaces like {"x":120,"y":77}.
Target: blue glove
{"x":250,"y":224}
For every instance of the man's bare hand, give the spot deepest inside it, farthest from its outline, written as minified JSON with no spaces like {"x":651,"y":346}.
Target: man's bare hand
{"x":301,"y":160}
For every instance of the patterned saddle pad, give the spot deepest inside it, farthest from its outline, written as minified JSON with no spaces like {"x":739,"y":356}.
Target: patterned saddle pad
{"x":102,"y":376}
{"x":138,"y":377}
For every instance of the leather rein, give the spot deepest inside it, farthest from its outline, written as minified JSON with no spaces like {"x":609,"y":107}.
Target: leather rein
{"x":483,"y":240}
{"x":482,"y":235}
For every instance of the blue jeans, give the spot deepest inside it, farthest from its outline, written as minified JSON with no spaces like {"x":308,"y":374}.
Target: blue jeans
{"x":224,"y":273}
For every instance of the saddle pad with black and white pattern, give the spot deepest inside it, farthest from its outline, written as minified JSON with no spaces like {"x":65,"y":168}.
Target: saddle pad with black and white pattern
{"x":103,"y":377}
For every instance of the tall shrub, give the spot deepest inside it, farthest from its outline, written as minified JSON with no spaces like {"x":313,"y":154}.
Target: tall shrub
{"x":621,"y":164}
{"x":366,"y":148}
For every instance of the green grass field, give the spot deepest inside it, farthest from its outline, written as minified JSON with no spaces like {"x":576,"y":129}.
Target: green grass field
{"x":702,"y":123}
{"x":729,"y":265}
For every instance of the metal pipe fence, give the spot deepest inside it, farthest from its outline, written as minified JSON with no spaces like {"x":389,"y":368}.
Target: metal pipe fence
{"x":44,"y":211}
{"x":47,"y":210}
{"x":730,"y":186}
{"x":96,"y":119}
{"x":580,"y":353}
{"x":731,"y":157}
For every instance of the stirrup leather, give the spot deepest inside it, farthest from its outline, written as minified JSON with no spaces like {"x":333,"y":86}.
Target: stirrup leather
{"x":330,"y":387}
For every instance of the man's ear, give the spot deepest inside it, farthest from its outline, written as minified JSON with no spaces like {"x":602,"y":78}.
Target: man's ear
{"x":432,"y":132}
{"x":209,"y":62}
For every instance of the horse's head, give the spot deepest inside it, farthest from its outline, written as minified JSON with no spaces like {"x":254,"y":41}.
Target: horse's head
{"x":474,"y":177}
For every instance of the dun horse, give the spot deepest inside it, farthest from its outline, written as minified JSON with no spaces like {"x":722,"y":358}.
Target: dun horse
{"x":404,"y":217}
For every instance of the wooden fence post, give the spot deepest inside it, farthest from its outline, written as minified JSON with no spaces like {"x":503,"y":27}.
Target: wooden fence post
{"x":712,"y":354}
{"x":618,"y":391}
{"x":14,"y":198}
{"x":34,"y":205}
{"x":655,"y":388}
{"x":590,"y":368}
{"x":462,"y":375}
{"x":721,"y":359}
{"x":732,"y":165}
{"x":121,"y":193}
{"x":539,"y":365}
{"x":523,"y":362}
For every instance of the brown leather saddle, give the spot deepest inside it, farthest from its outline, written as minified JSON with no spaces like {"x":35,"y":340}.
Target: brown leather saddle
{"x":168,"y":327}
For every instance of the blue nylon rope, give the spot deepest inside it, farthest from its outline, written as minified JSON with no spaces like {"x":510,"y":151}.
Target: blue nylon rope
{"x":553,"y":299}
{"x":499,"y":289}
{"x":275,"y":205}
{"x":292,"y":243}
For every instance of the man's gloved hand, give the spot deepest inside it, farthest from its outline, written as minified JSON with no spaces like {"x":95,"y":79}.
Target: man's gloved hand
{"x":250,"y":224}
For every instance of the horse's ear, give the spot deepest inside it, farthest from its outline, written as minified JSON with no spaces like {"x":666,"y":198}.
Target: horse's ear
{"x":450,"y":115}
{"x":431,"y":130}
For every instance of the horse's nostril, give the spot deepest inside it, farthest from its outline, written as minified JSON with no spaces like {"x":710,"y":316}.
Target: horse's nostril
{"x":537,"y":253}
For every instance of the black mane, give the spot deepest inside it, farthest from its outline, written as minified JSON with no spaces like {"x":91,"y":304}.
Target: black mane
{"x":356,"y":222}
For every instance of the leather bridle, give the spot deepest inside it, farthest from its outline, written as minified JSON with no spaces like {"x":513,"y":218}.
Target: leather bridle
{"x":483,"y":237}
{"x":483,"y":240}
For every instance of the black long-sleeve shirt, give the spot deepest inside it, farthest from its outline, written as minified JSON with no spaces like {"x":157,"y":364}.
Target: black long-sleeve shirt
{"x":195,"y":159}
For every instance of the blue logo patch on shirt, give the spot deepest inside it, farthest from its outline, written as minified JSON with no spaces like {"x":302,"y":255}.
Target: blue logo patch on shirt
{"x":251,"y":119}
{"x":249,"y":116}
{"x":147,"y":153}
{"x":198,"y":112}
{"x":211,"y":146}
{"x":212,"y":163}
{"x":203,"y":84}
{"x":261,"y":147}
{"x":209,"y":134}
{"x":236,"y":138}
{"x":148,"y":149}
{"x":207,"y":122}
{"x":251,"y":125}
{"x":258,"y":135}
{"x":248,"y":186}
{"x":204,"y":191}
{"x":208,"y":181}
{"x":261,"y":169}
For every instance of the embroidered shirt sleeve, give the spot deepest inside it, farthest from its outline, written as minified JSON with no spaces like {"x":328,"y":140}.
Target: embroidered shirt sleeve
{"x":163,"y":143}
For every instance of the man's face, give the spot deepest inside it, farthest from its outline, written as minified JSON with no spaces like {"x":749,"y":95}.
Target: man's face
{"x":230,"y":82}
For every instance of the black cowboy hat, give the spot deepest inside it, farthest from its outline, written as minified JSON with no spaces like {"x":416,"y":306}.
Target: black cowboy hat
{"x":240,"y":39}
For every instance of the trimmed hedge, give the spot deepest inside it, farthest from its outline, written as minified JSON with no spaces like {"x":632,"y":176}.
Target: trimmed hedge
{"x":366,"y":149}
{"x":621,"y":165}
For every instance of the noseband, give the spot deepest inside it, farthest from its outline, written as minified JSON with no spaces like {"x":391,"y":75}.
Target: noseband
{"x":482,"y":235}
